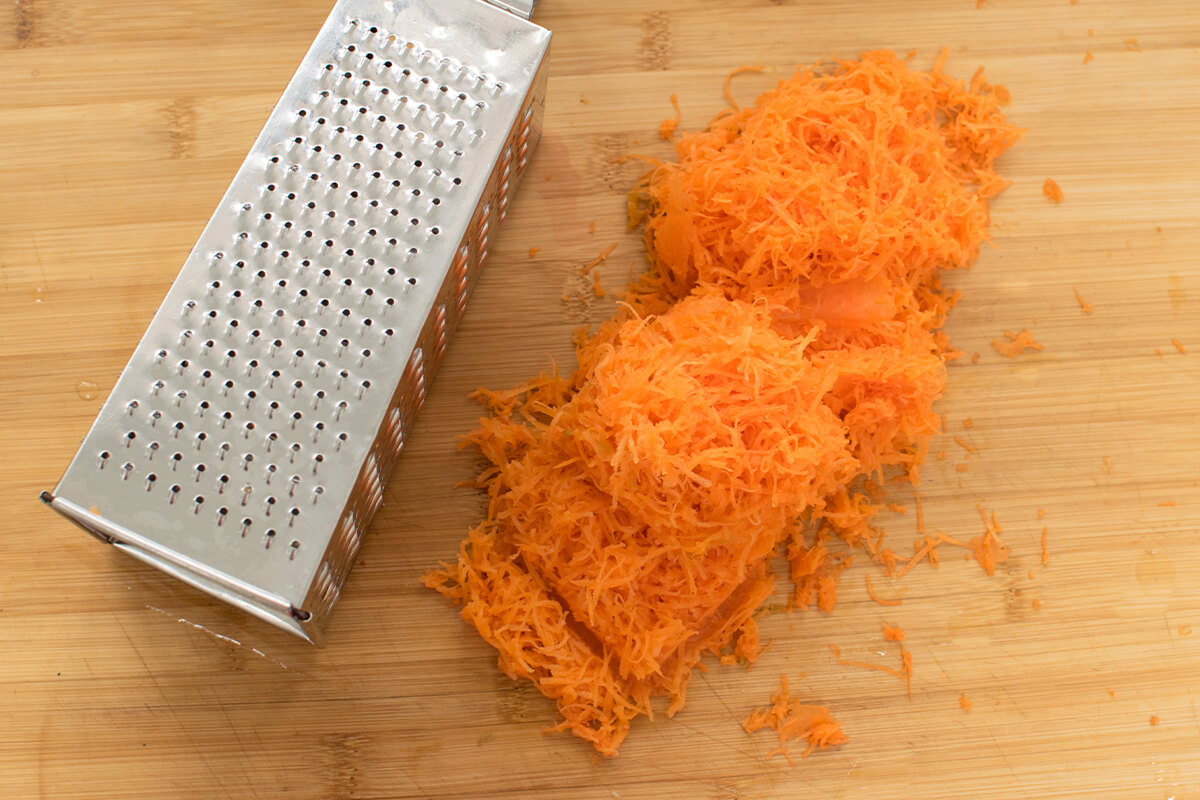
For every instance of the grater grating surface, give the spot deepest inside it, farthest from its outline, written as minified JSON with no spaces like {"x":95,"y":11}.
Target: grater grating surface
{"x":245,"y":446}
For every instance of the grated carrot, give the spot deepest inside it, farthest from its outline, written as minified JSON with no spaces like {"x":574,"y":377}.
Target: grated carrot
{"x":964,"y":702}
{"x":965,"y":445}
{"x":1084,"y":305}
{"x":871,"y":593}
{"x":893,"y":634}
{"x":1179,"y":346}
{"x":666,"y":128}
{"x":597,"y":288}
{"x":1041,"y":512}
{"x":1045,"y":549}
{"x":1088,"y":57}
{"x":968,"y":423}
{"x":1018,"y":343}
{"x":1167,"y":504}
{"x":791,"y":720}
{"x":1037,"y":604}
{"x":920,"y":512}
{"x":1132,"y":44}
{"x":785,"y":342}
{"x":1153,"y":719}
{"x":533,"y":251}
{"x":961,"y":467}
{"x":1052,"y":190}
{"x":591,"y":227}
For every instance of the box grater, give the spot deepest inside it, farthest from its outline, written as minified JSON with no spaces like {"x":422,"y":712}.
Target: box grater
{"x":245,"y":447}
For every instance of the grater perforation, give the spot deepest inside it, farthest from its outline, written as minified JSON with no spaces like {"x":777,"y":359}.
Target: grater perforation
{"x":246,"y":446}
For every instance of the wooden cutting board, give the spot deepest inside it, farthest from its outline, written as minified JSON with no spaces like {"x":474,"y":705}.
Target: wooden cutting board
{"x":122,"y":123}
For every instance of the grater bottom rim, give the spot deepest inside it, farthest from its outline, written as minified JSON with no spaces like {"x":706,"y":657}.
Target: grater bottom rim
{"x":267,"y":607}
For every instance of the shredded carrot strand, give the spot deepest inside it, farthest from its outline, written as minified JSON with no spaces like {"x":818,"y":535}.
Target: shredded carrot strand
{"x":875,"y":597}
{"x":1179,"y":346}
{"x":1084,"y":305}
{"x":729,"y":80}
{"x":666,"y":129}
{"x":1045,"y":548}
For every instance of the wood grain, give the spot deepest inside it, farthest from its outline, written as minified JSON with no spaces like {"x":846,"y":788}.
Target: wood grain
{"x":121,"y":125}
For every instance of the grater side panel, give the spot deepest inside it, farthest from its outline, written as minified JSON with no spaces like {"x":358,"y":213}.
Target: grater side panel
{"x":410,"y":392}
{"x":241,"y":444}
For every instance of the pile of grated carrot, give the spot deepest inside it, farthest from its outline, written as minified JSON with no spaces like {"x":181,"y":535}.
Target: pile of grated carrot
{"x":776,"y":364}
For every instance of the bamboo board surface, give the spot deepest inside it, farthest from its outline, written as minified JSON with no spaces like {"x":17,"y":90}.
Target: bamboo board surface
{"x":123,"y":122}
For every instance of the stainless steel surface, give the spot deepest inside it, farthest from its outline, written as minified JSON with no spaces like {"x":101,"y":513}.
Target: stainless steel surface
{"x":522,"y":8}
{"x":245,"y":447}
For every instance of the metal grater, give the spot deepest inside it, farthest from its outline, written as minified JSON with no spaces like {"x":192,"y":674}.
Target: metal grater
{"x":245,"y":446}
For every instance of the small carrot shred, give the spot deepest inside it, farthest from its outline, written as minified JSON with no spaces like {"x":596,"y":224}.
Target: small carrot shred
{"x":597,"y":288}
{"x":893,"y":634}
{"x":920,"y":512}
{"x":988,"y":549}
{"x":1045,"y":548}
{"x":1037,"y":604}
{"x":1185,"y":630}
{"x":1017,"y":344}
{"x":837,"y":654}
{"x":1167,"y":504}
{"x":666,"y":128}
{"x":964,"y":702}
{"x":875,"y":597}
{"x":1041,"y":512}
{"x":975,"y":358}
{"x":729,"y":80}
{"x":533,"y":251}
{"x":1132,"y":45}
{"x":961,"y":467}
{"x":968,"y":423}
{"x":591,"y":227}
{"x":965,"y":445}
{"x":1087,"y":57}
{"x":1084,"y":305}
{"x":1179,"y":346}
{"x":1052,"y":190}
{"x":1153,"y":719}
{"x":792,"y":720}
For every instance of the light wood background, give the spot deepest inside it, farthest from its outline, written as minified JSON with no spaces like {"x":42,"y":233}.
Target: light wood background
{"x":121,"y":123}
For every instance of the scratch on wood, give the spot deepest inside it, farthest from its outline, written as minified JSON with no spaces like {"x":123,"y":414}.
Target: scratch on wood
{"x":656,"y":41}
{"x":181,"y":127}
{"x":27,"y":27}
{"x":345,"y":755}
